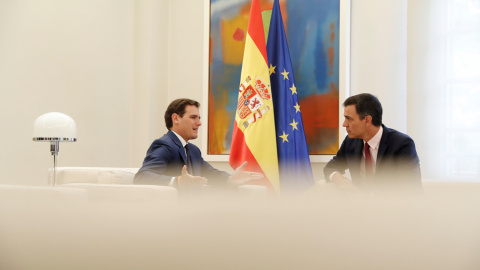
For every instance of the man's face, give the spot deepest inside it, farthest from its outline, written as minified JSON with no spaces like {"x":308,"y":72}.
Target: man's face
{"x":356,"y":127}
{"x":187,"y":126}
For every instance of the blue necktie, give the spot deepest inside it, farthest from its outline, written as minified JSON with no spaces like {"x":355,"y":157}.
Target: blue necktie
{"x":189,"y":160}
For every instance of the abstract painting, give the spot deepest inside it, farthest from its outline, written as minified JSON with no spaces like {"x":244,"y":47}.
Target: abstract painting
{"x":312,"y":28}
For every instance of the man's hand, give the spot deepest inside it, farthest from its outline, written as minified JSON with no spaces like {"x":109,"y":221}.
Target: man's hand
{"x":188,"y":181}
{"x":341,"y":181}
{"x":240,"y":177}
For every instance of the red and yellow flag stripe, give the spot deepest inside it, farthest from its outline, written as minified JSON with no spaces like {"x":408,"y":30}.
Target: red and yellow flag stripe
{"x":253,"y":137}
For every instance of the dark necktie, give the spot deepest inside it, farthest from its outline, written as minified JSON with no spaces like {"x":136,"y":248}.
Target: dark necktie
{"x":189,"y":160}
{"x":368,"y":161}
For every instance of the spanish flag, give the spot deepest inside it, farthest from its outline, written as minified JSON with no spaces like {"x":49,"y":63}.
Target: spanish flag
{"x":253,"y":138}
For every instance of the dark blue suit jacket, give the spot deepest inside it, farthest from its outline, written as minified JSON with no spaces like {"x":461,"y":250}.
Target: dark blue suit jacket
{"x":397,"y":163}
{"x":165,"y":159}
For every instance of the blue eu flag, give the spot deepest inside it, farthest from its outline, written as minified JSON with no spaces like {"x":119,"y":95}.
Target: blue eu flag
{"x":293,"y":160}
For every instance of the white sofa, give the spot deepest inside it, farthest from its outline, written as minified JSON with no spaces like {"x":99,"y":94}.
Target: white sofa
{"x":118,"y":182}
{"x":98,"y":179}
{"x":11,"y":195}
{"x":112,"y":184}
{"x":96,"y":219}
{"x":94,"y":175}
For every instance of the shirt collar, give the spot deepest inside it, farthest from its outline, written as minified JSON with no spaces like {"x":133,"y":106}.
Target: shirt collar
{"x":180,"y":138}
{"x":375,"y":141}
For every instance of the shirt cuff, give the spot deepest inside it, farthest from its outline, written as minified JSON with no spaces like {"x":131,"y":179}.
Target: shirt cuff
{"x":330,"y":177}
{"x":173,"y":182}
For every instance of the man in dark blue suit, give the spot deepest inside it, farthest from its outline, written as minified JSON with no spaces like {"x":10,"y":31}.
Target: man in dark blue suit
{"x":379,"y":158}
{"x":173,"y":161}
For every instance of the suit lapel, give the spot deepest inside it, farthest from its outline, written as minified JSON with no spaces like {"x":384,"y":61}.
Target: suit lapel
{"x":355,"y":156}
{"x":383,"y":145}
{"x":180,"y":149}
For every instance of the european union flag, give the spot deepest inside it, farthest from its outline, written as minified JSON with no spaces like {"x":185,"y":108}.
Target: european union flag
{"x":293,"y":160}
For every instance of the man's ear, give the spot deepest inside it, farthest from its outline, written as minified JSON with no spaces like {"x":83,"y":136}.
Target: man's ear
{"x":175,"y":118}
{"x":368,"y":120}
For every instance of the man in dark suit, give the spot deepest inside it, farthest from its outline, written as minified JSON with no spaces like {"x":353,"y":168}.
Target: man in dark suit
{"x":377,"y":157}
{"x":173,"y":161}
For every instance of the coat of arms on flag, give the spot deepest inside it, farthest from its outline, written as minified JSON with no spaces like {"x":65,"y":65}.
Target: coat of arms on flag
{"x":251,"y":106}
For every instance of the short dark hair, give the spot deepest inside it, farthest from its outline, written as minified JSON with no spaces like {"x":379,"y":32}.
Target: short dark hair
{"x":366,"y":104}
{"x":178,"y":106}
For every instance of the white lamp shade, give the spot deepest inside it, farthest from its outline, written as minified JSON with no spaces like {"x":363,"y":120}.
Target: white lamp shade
{"x":54,"y":126}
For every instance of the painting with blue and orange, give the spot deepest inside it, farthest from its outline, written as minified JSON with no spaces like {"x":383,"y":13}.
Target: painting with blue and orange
{"x":312,"y":28}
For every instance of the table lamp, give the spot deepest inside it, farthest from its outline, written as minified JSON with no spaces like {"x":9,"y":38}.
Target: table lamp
{"x":54,"y":127}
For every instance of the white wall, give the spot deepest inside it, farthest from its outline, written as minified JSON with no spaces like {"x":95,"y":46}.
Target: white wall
{"x":73,"y":57}
{"x":427,"y":74}
{"x":379,"y":56}
{"x":114,"y":65}
{"x":149,"y":96}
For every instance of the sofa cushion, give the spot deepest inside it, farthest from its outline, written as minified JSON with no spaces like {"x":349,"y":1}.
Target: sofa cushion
{"x":127,"y":193}
{"x":98,"y":175}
